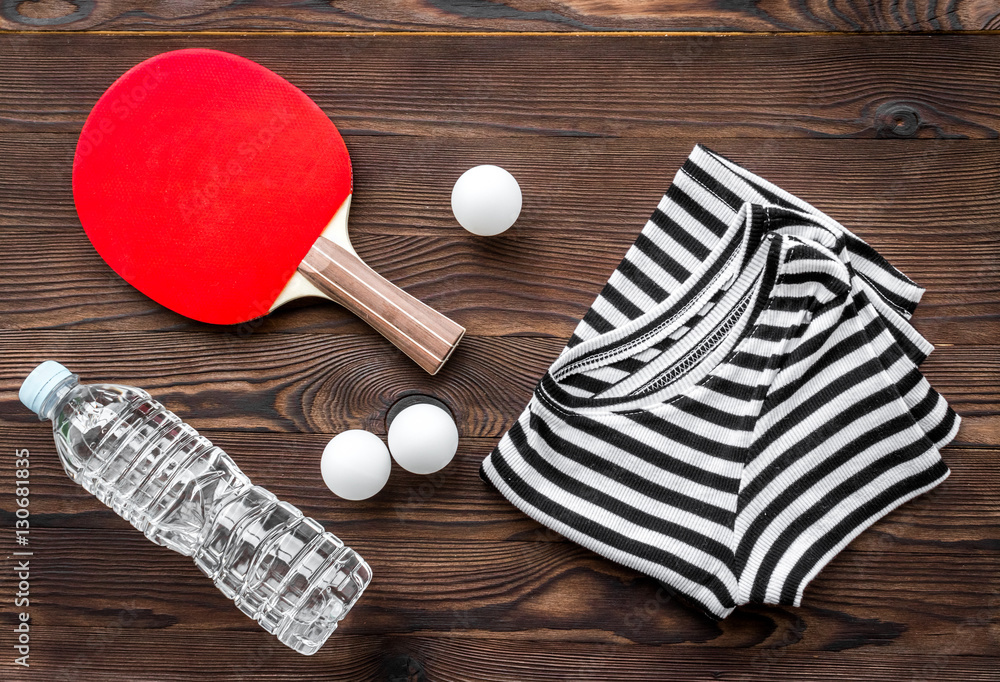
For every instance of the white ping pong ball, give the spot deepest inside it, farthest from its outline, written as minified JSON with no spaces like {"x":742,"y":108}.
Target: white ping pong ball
{"x":355,"y":464}
{"x":423,"y":438}
{"x":486,"y":200}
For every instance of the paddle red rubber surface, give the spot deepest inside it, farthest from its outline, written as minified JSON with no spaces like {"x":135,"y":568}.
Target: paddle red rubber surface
{"x":202,"y":178}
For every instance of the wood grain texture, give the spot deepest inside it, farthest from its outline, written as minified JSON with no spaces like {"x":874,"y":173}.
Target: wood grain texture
{"x":511,"y":15}
{"x":915,"y":201}
{"x":188,"y":655}
{"x":450,"y":554}
{"x":896,"y":137}
{"x":455,"y":504}
{"x":530,"y":590}
{"x":328,"y":383}
{"x":290,"y":383}
{"x":871,"y":86}
{"x":458,"y":561}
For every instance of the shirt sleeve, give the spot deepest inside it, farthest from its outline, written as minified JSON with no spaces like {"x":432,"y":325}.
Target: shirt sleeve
{"x":835,"y":448}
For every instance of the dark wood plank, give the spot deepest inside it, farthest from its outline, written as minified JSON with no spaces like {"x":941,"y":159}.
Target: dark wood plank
{"x":451,"y":555}
{"x":283,"y":382}
{"x":176,"y":655}
{"x":903,"y":595}
{"x":328,"y":383}
{"x":479,"y":15}
{"x":931,"y":190}
{"x":931,"y":207}
{"x":599,"y":187}
{"x":466,"y":586}
{"x":455,"y":503}
{"x":614,"y":86}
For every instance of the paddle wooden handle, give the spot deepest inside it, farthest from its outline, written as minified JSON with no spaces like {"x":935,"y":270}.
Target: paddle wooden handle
{"x":418,"y":330}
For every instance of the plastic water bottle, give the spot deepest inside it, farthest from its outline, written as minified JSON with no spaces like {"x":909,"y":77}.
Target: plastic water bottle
{"x":280,"y":568}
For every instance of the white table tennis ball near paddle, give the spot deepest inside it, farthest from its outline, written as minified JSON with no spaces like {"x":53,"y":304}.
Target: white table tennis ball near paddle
{"x":220,"y":190}
{"x":355,"y":464}
{"x":486,"y":200}
{"x":423,"y":438}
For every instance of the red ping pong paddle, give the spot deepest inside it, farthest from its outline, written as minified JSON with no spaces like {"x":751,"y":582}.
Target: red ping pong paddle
{"x":220,"y":190}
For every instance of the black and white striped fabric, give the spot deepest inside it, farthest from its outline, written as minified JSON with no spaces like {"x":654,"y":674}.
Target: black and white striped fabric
{"x":742,"y":399}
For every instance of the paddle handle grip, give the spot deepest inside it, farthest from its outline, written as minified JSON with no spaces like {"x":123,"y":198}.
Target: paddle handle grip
{"x":424,"y":334}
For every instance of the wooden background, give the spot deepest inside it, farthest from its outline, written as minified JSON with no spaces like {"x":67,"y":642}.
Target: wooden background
{"x":884,"y":114}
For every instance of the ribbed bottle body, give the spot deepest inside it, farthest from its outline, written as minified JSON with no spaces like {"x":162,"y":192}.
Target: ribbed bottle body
{"x":280,"y":567}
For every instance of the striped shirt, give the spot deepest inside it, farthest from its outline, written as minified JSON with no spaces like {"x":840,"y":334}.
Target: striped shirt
{"x":742,"y":399}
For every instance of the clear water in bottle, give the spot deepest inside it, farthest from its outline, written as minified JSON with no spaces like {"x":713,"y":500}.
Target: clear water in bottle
{"x":280,"y":567}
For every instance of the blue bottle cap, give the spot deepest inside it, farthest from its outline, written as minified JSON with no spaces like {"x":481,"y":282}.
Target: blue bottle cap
{"x":39,"y":384}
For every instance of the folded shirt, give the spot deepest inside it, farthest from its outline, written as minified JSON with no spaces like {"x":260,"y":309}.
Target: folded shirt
{"x":740,"y":401}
